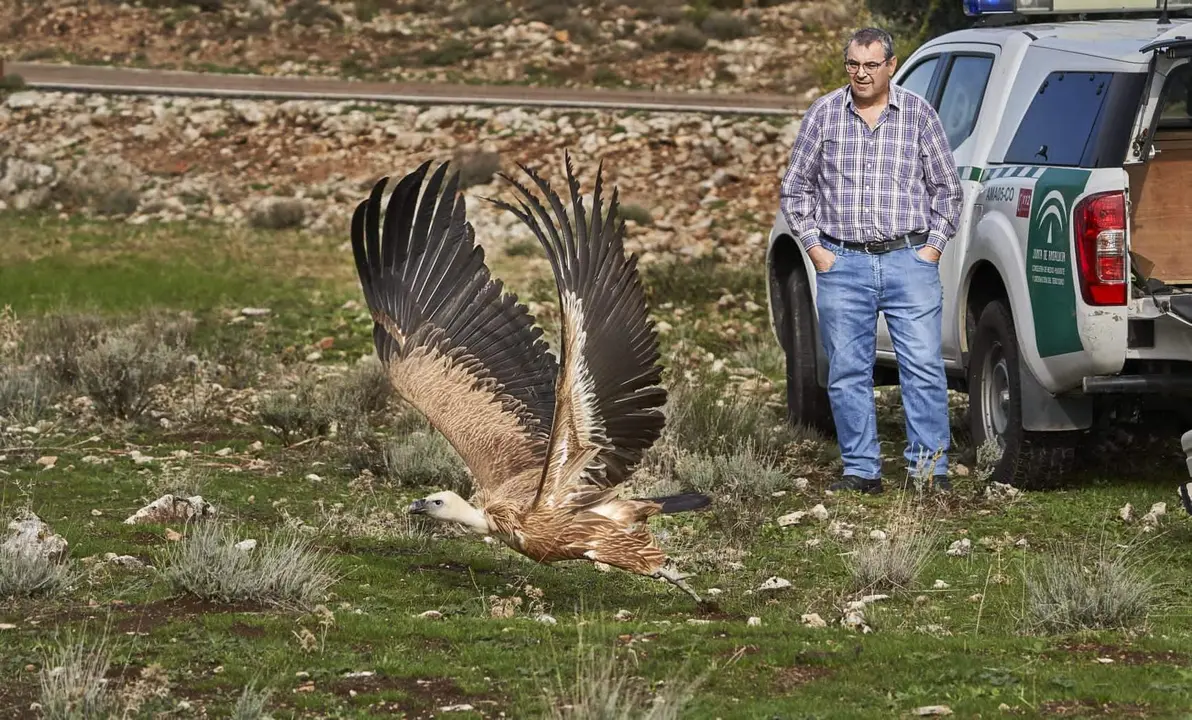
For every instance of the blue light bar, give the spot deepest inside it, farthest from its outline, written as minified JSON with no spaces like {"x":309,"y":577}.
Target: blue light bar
{"x":988,"y":7}
{"x":1070,"y":7}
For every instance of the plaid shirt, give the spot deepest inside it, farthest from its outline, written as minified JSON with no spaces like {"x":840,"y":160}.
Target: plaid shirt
{"x":862,"y":185}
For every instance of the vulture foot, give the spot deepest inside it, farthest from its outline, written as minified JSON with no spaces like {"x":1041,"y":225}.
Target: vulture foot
{"x":677,"y":579}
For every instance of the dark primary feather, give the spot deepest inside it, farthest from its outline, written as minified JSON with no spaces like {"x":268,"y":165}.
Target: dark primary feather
{"x":588,"y":259}
{"x":426,"y":283}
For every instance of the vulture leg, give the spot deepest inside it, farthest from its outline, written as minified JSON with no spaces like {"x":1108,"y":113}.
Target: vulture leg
{"x":676,"y":579}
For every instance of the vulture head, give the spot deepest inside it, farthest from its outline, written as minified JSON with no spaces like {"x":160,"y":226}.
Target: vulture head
{"x":447,"y":507}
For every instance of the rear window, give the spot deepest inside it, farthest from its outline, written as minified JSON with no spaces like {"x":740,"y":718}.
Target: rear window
{"x":1078,"y":119}
{"x":1175,"y":111}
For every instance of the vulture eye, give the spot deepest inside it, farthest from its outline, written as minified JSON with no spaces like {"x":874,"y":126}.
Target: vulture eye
{"x":438,"y":502}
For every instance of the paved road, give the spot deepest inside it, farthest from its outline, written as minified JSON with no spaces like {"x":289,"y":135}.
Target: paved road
{"x":168,"y":82}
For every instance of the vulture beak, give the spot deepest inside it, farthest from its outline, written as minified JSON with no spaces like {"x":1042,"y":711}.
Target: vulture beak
{"x":417,"y":507}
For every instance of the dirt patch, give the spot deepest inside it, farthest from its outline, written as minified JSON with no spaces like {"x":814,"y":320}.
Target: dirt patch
{"x":1126,"y":655}
{"x":792,"y":678}
{"x":132,"y":618}
{"x":245,"y":630}
{"x":423,"y":696}
{"x":16,"y":697}
{"x":1091,"y":708}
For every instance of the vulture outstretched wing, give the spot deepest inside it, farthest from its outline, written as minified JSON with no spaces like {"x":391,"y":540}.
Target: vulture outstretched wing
{"x":608,"y":408}
{"x":455,"y":346}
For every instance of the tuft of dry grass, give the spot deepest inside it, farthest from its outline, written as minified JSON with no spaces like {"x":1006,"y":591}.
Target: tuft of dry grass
{"x":282,"y":570}
{"x":73,"y":683}
{"x":252,"y":703}
{"x":741,"y":485}
{"x":28,"y":573}
{"x":604,"y":689}
{"x":895,"y":563}
{"x":426,"y":459}
{"x":1075,"y":586}
{"x":120,"y":371}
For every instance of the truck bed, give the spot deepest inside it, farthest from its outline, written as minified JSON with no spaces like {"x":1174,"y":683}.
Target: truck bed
{"x":1161,"y":195}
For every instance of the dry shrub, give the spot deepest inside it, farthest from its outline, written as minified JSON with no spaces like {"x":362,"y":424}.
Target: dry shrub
{"x":895,"y":563}
{"x":120,"y":371}
{"x":425,"y":459}
{"x":684,"y":37}
{"x":252,"y":703}
{"x":706,"y":415}
{"x":25,"y":572}
{"x":25,"y":395}
{"x":604,"y":689}
{"x":282,"y":570}
{"x":278,"y":214}
{"x":73,"y":682}
{"x":741,"y":485}
{"x":475,"y":166}
{"x":1077,"y":587}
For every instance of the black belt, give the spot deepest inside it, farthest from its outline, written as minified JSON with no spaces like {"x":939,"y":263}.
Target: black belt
{"x":877,"y":247}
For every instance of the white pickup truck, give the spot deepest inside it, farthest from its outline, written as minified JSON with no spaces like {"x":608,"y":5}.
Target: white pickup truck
{"x":1068,"y":285}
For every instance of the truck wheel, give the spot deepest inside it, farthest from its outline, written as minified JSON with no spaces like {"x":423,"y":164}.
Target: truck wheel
{"x":1029,"y":460}
{"x":806,"y":402}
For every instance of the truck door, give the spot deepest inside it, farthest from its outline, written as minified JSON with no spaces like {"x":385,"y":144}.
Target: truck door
{"x":955,"y":79}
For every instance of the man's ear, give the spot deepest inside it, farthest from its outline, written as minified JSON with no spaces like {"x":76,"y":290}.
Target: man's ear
{"x":893,"y":65}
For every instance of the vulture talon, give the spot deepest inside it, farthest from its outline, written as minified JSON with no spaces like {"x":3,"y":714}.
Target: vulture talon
{"x":547,"y":442}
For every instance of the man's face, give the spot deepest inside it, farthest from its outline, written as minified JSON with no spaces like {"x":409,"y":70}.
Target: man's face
{"x":869,"y":71}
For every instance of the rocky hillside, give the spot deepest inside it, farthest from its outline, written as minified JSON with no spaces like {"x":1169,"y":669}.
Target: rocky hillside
{"x":785,"y":46}
{"x":692,"y":185}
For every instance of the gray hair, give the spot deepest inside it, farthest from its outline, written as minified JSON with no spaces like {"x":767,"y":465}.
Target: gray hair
{"x":867,"y":36}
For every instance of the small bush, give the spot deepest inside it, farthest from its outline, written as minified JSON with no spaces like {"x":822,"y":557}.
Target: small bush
{"x":57,"y":341}
{"x":120,"y":371}
{"x":1082,"y":588}
{"x":27,"y":573}
{"x":25,"y":394}
{"x":451,"y":52}
{"x":426,"y":459}
{"x":741,"y":485}
{"x":602,"y":689}
{"x":724,"y":26}
{"x":296,"y":414}
{"x":282,"y":570}
{"x":703,"y":416}
{"x":684,"y":38}
{"x":312,"y":12}
{"x":278,"y":214}
{"x":896,"y":563}
{"x":74,"y":684}
{"x":251,"y":703}
{"x":475,"y":167}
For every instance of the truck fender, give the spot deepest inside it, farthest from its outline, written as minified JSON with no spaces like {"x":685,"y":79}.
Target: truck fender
{"x":995,"y":244}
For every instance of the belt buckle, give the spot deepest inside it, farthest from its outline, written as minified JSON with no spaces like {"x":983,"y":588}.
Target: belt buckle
{"x":871,"y":248}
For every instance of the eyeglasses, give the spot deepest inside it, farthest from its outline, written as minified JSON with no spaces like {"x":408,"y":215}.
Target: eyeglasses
{"x":852,"y":66}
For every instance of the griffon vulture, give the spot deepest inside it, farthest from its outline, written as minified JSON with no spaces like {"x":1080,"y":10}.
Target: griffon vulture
{"x":547,"y":443}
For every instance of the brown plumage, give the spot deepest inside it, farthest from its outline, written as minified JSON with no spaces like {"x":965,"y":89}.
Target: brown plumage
{"x":548,"y":443}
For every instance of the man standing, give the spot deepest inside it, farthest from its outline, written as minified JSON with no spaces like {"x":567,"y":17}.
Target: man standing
{"x":873,"y":195}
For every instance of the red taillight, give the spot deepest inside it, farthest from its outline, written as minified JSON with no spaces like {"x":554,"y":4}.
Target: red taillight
{"x":1100,"y":222}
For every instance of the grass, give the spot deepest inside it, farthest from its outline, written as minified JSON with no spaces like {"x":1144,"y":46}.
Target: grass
{"x":348,"y":608}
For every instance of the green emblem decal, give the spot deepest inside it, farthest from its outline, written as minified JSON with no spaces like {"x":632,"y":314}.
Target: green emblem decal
{"x":1049,"y":261}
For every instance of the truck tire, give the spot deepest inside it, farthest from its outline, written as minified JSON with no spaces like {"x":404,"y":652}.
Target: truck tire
{"x":1030,"y":460}
{"x":806,"y":402}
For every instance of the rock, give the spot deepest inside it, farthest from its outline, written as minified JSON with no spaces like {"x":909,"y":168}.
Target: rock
{"x":754,"y":621}
{"x":775,"y":583}
{"x":813,"y":620}
{"x":431,"y":615}
{"x":246,"y":545}
{"x":819,"y":512}
{"x":791,"y":518}
{"x":933,"y":710}
{"x":960,"y":548}
{"x":941,"y":585}
{"x":32,"y":535}
{"x":169,"y":508}
{"x":1126,"y":513}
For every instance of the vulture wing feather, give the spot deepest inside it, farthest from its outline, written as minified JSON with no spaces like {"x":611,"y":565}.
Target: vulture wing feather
{"x":608,"y":393}
{"x":455,"y":345}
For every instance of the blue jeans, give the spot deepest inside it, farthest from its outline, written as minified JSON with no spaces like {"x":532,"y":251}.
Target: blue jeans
{"x":907,"y":289}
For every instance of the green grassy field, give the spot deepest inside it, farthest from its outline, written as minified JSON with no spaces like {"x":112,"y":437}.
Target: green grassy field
{"x":1058,"y":607}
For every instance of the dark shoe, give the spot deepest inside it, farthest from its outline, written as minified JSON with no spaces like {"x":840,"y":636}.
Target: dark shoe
{"x":857,"y":484}
{"x":1186,"y":497}
{"x":941,"y":484}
